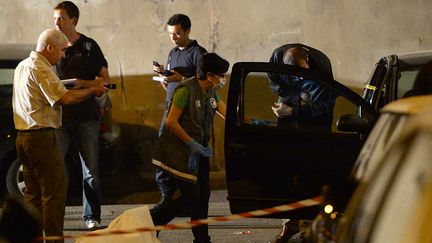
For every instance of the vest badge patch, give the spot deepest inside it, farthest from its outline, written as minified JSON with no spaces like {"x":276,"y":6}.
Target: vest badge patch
{"x":213,"y":103}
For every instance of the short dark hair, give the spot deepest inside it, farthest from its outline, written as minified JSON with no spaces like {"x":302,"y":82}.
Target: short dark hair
{"x":213,"y":63}
{"x":180,"y":19}
{"x":70,"y":8}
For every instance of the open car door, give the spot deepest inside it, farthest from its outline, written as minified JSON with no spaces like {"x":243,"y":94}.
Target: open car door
{"x":269,"y":165}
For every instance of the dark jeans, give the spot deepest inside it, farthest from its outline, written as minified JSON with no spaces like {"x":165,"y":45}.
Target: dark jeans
{"x":194,"y":197}
{"x":82,"y":142}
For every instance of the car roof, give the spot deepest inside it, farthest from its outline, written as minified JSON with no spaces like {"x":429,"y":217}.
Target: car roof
{"x":410,"y":105}
{"x":15,"y":51}
{"x":415,"y":58}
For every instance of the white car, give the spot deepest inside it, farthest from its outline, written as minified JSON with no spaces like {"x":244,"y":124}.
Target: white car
{"x":390,"y":203}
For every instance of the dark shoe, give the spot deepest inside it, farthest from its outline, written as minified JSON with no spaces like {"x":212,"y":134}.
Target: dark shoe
{"x":289,"y":229}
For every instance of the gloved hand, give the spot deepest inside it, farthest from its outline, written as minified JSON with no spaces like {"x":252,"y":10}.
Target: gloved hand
{"x":282,"y":110}
{"x":207,"y":152}
{"x":197,"y":148}
{"x":193,"y":162}
{"x":305,"y":98}
{"x":260,"y":122}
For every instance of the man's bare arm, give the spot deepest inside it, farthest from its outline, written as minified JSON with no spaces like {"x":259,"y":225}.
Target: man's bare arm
{"x":75,"y":96}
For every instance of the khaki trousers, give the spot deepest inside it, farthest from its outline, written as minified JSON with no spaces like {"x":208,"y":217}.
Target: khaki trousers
{"x":44,"y":177}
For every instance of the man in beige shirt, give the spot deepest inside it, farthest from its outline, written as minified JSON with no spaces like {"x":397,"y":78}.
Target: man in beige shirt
{"x":37,"y":98}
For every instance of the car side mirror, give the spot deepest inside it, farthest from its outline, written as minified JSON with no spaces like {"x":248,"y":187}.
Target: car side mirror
{"x":352,"y":123}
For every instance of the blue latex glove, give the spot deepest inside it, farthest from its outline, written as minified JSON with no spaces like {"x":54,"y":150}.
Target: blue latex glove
{"x":197,"y":148}
{"x":207,"y":152}
{"x":260,"y":122}
{"x":193,"y":162}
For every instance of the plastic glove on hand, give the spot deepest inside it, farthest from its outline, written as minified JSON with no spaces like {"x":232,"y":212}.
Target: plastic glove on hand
{"x":260,"y":122}
{"x":207,"y":152}
{"x":305,"y":98}
{"x":193,"y":162}
{"x":282,"y":110}
{"x":195,"y":147}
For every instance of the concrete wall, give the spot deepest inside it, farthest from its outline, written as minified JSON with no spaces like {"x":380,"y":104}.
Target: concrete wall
{"x":132,"y":32}
{"x":354,"y":34}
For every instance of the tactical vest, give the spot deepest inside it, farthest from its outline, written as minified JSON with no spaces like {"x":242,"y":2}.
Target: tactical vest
{"x":171,"y":153}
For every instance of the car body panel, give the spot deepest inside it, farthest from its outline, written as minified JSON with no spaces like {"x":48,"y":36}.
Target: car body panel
{"x":393,"y":189}
{"x":394,"y":121}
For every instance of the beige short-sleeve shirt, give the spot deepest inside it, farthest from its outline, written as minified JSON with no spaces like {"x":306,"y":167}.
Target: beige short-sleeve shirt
{"x":36,"y":89}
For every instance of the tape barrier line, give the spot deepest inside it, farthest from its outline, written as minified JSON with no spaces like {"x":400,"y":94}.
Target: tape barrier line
{"x":189,"y":224}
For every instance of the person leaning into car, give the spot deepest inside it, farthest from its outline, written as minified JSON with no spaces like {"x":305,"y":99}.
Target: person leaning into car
{"x":302,"y":103}
{"x":80,"y":132}
{"x":182,"y":63}
{"x":183,"y":149}
{"x":37,"y":98}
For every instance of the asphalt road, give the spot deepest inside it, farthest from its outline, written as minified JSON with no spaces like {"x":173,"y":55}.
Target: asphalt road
{"x":141,"y":190}
{"x":242,"y":230}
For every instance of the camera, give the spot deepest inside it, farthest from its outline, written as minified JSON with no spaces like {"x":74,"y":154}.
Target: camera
{"x":110,"y":86}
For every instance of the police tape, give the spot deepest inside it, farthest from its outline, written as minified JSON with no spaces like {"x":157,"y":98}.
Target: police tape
{"x":189,"y":224}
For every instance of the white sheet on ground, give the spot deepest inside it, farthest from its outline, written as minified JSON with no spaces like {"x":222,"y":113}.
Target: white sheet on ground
{"x":130,"y":219}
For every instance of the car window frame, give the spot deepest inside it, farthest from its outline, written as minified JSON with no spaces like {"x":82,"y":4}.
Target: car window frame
{"x":240,"y":70}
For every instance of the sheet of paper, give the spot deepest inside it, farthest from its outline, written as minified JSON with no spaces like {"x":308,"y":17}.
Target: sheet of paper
{"x":68,"y":81}
{"x":159,"y":79}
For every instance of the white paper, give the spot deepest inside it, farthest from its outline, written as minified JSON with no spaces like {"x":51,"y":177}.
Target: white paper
{"x":68,"y":81}
{"x":159,"y":79}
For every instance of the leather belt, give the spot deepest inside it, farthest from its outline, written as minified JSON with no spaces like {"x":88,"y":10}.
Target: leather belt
{"x":36,"y":130}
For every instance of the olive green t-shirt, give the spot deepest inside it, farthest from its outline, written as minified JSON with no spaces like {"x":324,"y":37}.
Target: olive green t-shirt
{"x":181,"y":97}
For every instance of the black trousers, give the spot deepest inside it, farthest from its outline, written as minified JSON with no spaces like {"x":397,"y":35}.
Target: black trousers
{"x":194,"y":197}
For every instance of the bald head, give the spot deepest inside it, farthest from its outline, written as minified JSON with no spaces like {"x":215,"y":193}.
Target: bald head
{"x":51,"y":37}
{"x":52,"y":45}
{"x":297,"y":57}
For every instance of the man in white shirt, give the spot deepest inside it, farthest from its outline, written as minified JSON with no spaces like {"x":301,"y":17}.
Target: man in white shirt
{"x":37,"y":98}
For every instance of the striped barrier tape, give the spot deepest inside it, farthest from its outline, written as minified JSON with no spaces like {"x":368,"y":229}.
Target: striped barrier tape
{"x":189,"y":224}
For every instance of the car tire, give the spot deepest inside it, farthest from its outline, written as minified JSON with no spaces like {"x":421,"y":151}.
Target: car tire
{"x":15,"y":180}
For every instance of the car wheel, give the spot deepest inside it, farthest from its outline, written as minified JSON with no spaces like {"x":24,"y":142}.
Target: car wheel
{"x":15,"y":180}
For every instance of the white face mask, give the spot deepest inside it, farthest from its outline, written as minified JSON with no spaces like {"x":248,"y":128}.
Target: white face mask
{"x":222,"y":82}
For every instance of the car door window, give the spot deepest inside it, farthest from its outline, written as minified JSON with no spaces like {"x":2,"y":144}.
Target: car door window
{"x":405,"y":81}
{"x":258,"y":100}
